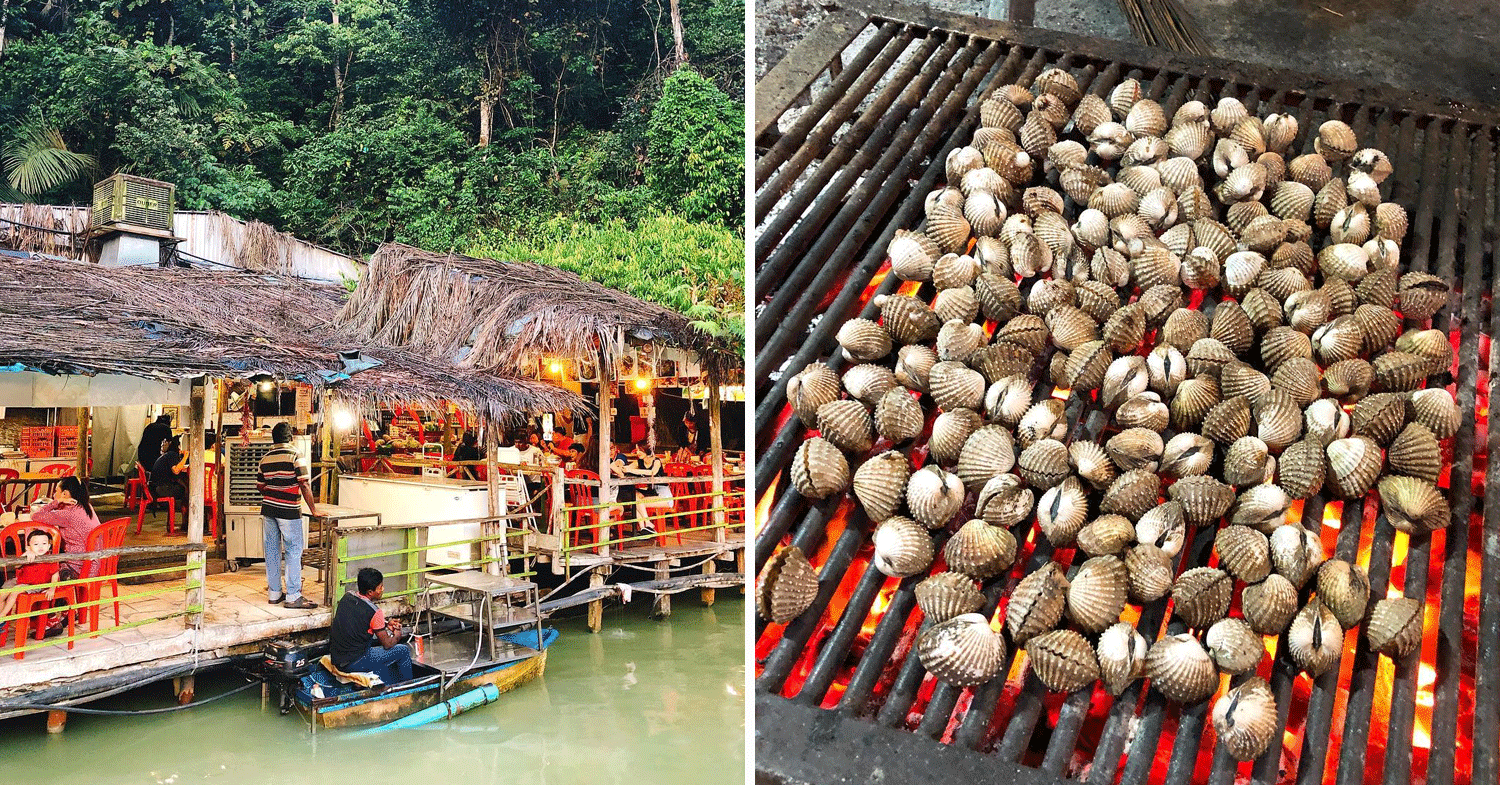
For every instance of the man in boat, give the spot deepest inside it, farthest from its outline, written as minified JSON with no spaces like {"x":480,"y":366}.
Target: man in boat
{"x":362,"y":639}
{"x":281,"y":481}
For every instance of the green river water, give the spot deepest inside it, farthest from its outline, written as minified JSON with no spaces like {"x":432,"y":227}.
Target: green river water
{"x":643,"y":701}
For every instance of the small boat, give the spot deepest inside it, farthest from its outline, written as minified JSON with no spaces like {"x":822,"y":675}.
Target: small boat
{"x":450,"y":666}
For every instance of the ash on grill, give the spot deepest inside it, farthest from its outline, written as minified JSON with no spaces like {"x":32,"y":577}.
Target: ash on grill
{"x":1178,"y":271}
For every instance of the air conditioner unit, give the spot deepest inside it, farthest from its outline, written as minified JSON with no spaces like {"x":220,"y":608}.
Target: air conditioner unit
{"x":123,"y":201}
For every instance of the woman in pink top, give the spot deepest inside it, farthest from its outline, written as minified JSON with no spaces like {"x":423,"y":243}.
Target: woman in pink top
{"x":71,"y":512}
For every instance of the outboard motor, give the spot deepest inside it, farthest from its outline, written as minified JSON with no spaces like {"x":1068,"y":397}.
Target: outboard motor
{"x":284,"y":663}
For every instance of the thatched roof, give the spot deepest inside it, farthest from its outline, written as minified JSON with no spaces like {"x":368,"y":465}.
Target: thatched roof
{"x":171,"y":324}
{"x":499,"y":315}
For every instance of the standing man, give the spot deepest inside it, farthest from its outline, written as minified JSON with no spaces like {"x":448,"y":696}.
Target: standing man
{"x":155,"y":433}
{"x":280,"y":481}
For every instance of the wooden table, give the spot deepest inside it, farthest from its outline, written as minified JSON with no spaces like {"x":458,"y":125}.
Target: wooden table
{"x":30,"y":480}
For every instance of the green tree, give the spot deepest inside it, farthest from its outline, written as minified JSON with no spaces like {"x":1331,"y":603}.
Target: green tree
{"x":696,"y":149}
{"x":37,"y":160}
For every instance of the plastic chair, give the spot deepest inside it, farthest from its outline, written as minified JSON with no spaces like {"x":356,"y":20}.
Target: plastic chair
{"x":110,"y":534}
{"x":211,"y":500}
{"x":8,"y":495}
{"x":15,"y":536}
{"x":146,"y":500}
{"x":57,"y":470}
{"x":581,"y":495}
{"x":134,"y":486}
{"x":705,"y":485}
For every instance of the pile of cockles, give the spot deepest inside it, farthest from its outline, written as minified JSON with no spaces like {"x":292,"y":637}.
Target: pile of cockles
{"x":1238,"y":311}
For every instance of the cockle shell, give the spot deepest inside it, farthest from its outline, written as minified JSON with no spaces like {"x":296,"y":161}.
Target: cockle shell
{"x":1001,"y":361}
{"x":1390,"y":221}
{"x":1080,"y":182}
{"x":1283,"y":343}
{"x":1352,"y":223}
{"x":1298,"y":256}
{"x":984,"y":213}
{"x":902,"y":547}
{"x":1045,"y":419}
{"x":1184,"y":326}
{"x":907,"y":319}
{"x":1312,"y":170}
{"x":1037,"y":604}
{"x":964,"y":160}
{"x":1269,"y":605}
{"x":1278,"y":421}
{"x":1341,"y":297}
{"x":1348,"y":380}
{"x":987,"y":452}
{"x":1024,"y":330}
{"x":1180,"y":668}
{"x":1008,"y":399}
{"x":868,"y":382}
{"x":1135,"y":448}
{"x":954,"y":386}
{"x":847,"y":424}
{"x":1201,"y":596}
{"x":913,"y":363}
{"x":1420,"y":295}
{"x":1063,"y":660}
{"x":1434,"y":408}
{"x":1228,"y":420}
{"x":1234,"y":646}
{"x":1122,"y":656}
{"x":1243,"y":553}
{"x":863,"y":340}
{"x":1043,"y":464}
{"x":1004,"y":501}
{"x":1431,"y":344}
{"x":1324,"y":420}
{"x":1144,"y":410}
{"x":1208,"y":357}
{"x":957,"y":340}
{"x":962,"y":651}
{"x":1315,"y":638}
{"x":1070,"y":327}
{"x":1414,"y":506}
{"x":1340,"y":339}
{"x":1087,"y":364}
{"x":1062,"y":511}
{"x":1395,"y":627}
{"x":1167,"y":369}
{"x":948,"y":227}
{"x":1345,"y":590}
{"x":980,"y":550}
{"x":1124,"y":329}
{"x":997,"y":112}
{"x":1239,"y":380}
{"x":1204,"y":499}
{"x":1247,"y":461}
{"x":1415,"y":452}
{"x":1159,"y":301}
{"x":1189,"y":140}
{"x":1299,"y":377}
{"x":1124,"y":96}
{"x":1301,"y":469}
{"x":913,"y":254}
{"x":949,"y":432}
{"x":1399,"y":371}
{"x":946,"y":595}
{"x":1245,"y":719}
{"x":786,"y":587}
{"x":934,"y":496}
{"x":1107,"y":535}
{"x":819,"y":469}
{"x":1353,"y":465}
{"x":1187,"y":454}
{"x":812,"y":387}
{"x":1335,"y":141}
{"x":1282,"y":283}
{"x":1261,"y":507}
{"x":1091,"y":462}
{"x":1231,"y":327}
{"x":1096,"y":594}
{"x":1146,"y":118}
{"x":1295,"y":552}
{"x":1164,"y":527}
{"x":1263,"y":310}
{"x":898,"y":416}
{"x":999,"y":297}
{"x":1132,"y":494}
{"x":1378,"y":288}
{"x":1307,"y":310}
{"x":880,"y":484}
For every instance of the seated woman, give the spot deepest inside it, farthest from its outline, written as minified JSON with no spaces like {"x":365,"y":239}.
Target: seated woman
{"x":639,"y":464}
{"x":169,"y":474}
{"x":71,"y":512}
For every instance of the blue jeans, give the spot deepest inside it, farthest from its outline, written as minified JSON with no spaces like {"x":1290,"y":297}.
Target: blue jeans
{"x":287,"y":532}
{"x":392,"y":665}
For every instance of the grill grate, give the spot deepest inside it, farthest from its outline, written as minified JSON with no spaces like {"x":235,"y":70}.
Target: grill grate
{"x":832,"y":189}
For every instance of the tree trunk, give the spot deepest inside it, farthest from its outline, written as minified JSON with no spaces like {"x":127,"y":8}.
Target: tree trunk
{"x":486,"y":117}
{"x":4,"y":11}
{"x":681,"y":49}
{"x":338,"y":77}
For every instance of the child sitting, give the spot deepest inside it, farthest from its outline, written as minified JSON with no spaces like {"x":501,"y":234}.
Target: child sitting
{"x":38,"y":543}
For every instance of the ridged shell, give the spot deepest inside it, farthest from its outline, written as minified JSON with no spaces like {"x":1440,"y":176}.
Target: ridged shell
{"x":934,"y":496}
{"x":913,"y":363}
{"x":1301,"y":469}
{"x":898,"y":416}
{"x":902,"y":547}
{"x":1193,"y":400}
{"x":1234,"y":646}
{"x":1097,"y":299}
{"x":1430,"y":344}
{"x":819,"y":469}
{"x":962,"y":161}
{"x":1004,"y":501}
{"x":1338,"y":340}
{"x":1121,"y":655}
{"x":1324,"y":421}
{"x":1228,"y":420}
{"x":812,"y":387}
{"x":1282,"y":283}
{"x":1281,"y":344}
{"x":980,"y":550}
{"x":864,"y":340}
{"x":987,"y":452}
{"x":1395,"y":627}
{"x":880,"y":484}
{"x":1335,"y":141}
{"x":1295,"y":552}
{"x":1125,"y":329}
{"x":959,"y":339}
{"x":1269,"y":605}
{"x":1434,"y":408}
{"x":1189,"y":140}
{"x":1042,"y":420}
{"x":1071,"y":327}
{"x":1247,"y":461}
{"x":1026,"y":331}
{"x":1348,"y":380}
{"x":1390,"y":221}
{"x":954,"y":386}
{"x":1414,"y":506}
{"x":1311,"y":170}
{"x":1132,"y":494}
{"x":1143,"y":410}
{"x":1164,"y":527}
{"x":868,"y":382}
{"x":1166,"y":370}
{"x":1135,"y":448}
{"x":1245,"y":719}
{"x":1261,"y":507}
{"x":1399,"y":371}
{"x":1037,"y":604}
{"x":1207,"y":357}
{"x":1063,"y":660}
{"x":1379,"y":416}
{"x":1086,"y":365}
{"x":847,"y":425}
{"x":1345,"y":589}
{"x":1353,"y":465}
{"x":1315,"y":638}
{"x":1187,"y":454}
{"x":1183,"y":327}
{"x":1149,"y":571}
{"x":962,"y":651}
{"x":1231,"y":327}
{"x":1244,"y":553}
{"x":1201,"y":596}
{"x":1107,"y":535}
{"x":997,"y":112}
{"x":913,"y":255}
{"x":999,"y":297}
{"x":1007,"y":400}
{"x":907,"y":319}
{"x":1378,"y":288}
{"x":1278,"y":421}
{"x":949,"y":432}
{"x":1124,"y":96}
{"x":1062,"y":511}
{"x":786,"y":587}
{"x":1080,"y":182}
{"x":1159,"y":301}
{"x":1044,"y":463}
{"x":1415,"y":452}
{"x":946,"y":595}
{"x":1263,"y":310}
{"x":1096,"y":595}
{"x":1299,"y":377}
{"x":1061,"y":84}
{"x":1239,"y":380}
{"x":1146,"y":118}
{"x":1180,"y":668}
{"x":1204,"y":499}
{"x":948,"y":227}
{"x":958,"y":303}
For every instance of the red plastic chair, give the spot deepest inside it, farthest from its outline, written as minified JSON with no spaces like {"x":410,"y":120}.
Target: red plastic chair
{"x":579,"y":494}
{"x":14,"y":536}
{"x":8,"y":495}
{"x":135,"y":486}
{"x":211,"y":499}
{"x":147,"y":499}
{"x":705,"y":485}
{"x":110,"y":534}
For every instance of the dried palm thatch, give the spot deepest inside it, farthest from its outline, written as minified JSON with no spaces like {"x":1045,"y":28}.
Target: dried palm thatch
{"x":39,"y":228}
{"x":504,"y":316}
{"x":172,"y":324}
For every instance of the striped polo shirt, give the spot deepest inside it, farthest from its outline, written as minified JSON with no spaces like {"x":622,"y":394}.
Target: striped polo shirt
{"x":279,"y":474}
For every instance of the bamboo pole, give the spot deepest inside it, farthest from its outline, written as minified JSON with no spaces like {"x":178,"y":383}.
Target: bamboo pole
{"x":716,"y":445}
{"x":196,"y":559}
{"x":81,"y":470}
{"x":494,"y":550}
{"x":606,"y":436}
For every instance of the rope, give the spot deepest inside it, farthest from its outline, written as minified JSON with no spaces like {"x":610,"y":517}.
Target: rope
{"x":122,"y":712}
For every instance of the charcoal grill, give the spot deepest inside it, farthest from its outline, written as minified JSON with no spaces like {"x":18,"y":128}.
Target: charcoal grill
{"x":890,"y":90}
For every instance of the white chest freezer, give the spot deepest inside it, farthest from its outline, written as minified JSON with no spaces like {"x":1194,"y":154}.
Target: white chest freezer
{"x":402,"y":500}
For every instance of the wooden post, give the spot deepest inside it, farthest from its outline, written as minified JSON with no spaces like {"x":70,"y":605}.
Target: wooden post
{"x":739,"y":564}
{"x":707,"y":592}
{"x":183,"y":686}
{"x":81,"y":470}
{"x":716,"y":446}
{"x":325,"y":453}
{"x":56,"y":721}
{"x":494,"y":549}
{"x":606,"y":437}
{"x":596,"y":608}
{"x":195,"y":561}
{"x":661,"y":607}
